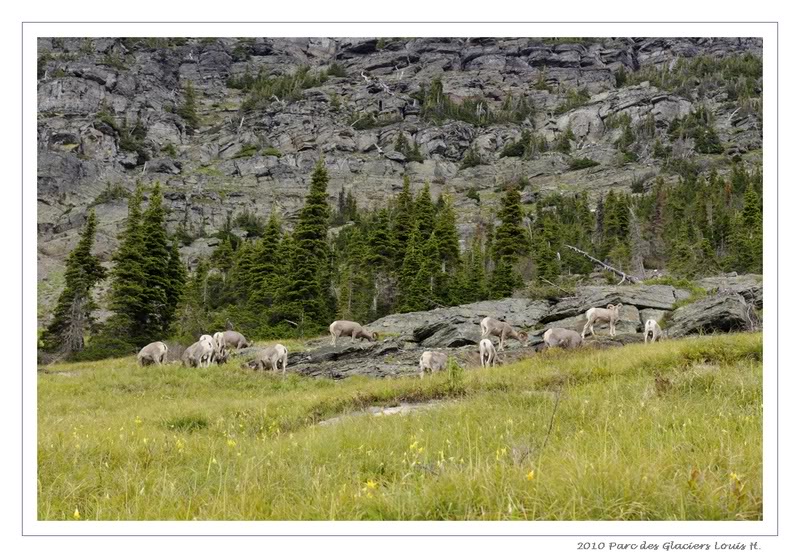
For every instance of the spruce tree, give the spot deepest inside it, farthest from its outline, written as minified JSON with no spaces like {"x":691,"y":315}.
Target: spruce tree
{"x":307,"y":297}
{"x":127,"y":328}
{"x":381,"y":244}
{"x":403,"y":221}
{"x":72,"y":317}
{"x":410,"y":298}
{"x":424,"y":212}
{"x":509,"y":243}
{"x":447,"y":236}
{"x":176,"y":272}
{"x":156,"y":267}
{"x":267,"y":266}
{"x":188,"y":110}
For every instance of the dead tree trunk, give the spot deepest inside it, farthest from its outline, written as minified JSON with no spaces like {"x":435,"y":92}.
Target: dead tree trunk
{"x":622,"y":274}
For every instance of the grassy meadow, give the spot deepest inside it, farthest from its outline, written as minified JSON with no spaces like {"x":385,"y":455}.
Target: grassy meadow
{"x":121,"y":442}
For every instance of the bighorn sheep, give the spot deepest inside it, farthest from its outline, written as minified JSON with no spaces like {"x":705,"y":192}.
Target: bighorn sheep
{"x":198,"y":354}
{"x":221,"y":354}
{"x":353,"y":329}
{"x":433,"y":361}
{"x":560,"y":337}
{"x":490,"y":326}
{"x":652,"y":327}
{"x":154,"y":353}
{"x":609,"y":314}
{"x":235,"y":340}
{"x":271,"y":358}
{"x":488,"y":354}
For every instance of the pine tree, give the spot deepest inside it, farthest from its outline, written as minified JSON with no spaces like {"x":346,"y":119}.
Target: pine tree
{"x":267,"y":265}
{"x":193,"y":316}
{"x":156,"y":267}
{"x":381,"y":244}
{"x":403,"y":221}
{"x":176,"y":272}
{"x":424,"y":212}
{"x":128,"y":293}
{"x":752,"y":219}
{"x":72,"y":317}
{"x":509,"y":243}
{"x":447,"y":236}
{"x":188,"y":110}
{"x":410,"y":298}
{"x":307,"y":297}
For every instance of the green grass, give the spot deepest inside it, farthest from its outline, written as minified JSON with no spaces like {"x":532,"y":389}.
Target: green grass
{"x":120,"y":442}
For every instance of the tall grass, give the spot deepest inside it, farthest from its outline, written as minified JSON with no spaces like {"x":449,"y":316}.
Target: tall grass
{"x":121,"y":442}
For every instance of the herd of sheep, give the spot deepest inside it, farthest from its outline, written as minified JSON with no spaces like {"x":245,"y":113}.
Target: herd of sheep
{"x":217,"y":348}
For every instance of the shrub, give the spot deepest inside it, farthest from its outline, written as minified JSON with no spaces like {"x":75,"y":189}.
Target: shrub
{"x":471,"y":159}
{"x":575,"y":98}
{"x":582,"y":163}
{"x":336,"y":70}
{"x":246,"y":150}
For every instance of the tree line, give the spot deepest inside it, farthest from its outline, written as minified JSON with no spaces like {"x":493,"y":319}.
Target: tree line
{"x":403,"y":256}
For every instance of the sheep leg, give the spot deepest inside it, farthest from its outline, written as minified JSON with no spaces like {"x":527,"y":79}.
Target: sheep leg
{"x":585,"y":327}
{"x":333,"y":339}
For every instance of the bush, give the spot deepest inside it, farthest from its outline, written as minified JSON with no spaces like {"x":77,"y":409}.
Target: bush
{"x":246,"y":150}
{"x":582,"y":163}
{"x":471,"y":159}
{"x":336,"y":70}
{"x":473,"y":194}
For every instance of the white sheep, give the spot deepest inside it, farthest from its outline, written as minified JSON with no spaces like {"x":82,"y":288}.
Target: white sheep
{"x":560,"y":337}
{"x":488,"y":354}
{"x":652,"y":330}
{"x":154,"y":353}
{"x":235,"y":340}
{"x":609,"y":315}
{"x":353,"y":329}
{"x":432,"y":361}
{"x":491,"y":326}
{"x":271,"y":358}
{"x":221,"y":354}
{"x":198,"y":354}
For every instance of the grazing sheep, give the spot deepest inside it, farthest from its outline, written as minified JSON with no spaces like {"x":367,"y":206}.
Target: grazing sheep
{"x":353,"y":329}
{"x":270,"y":358}
{"x":610,"y":314}
{"x":433,"y":361}
{"x":560,"y":337}
{"x":198,"y":355}
{"x":488,"y":354}
{"x":235,"y":340}
{"x":490,"y":326}
{"x":154,"y":353}
{"x":652,"y":327}
{"x":221,"y":353}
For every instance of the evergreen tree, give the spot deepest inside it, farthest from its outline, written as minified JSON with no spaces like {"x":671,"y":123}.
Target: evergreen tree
{"x":509,"y":242}
{"x":475,"y":283}
{"x":424,"y":212}
{"x":307,"y":297}
{"x":447,"y":236}
{"x":176,"y":272}
{"x":72,"y":317}
{"x":188,"y":110}
{"x":410,"y":297}
{"x":267,"y":266}
{"x":381,"y":244}
{"x":159,"y":284}
{"x":127,"y":328}
{"x":193,"y":317}
{"x":403,"y":221}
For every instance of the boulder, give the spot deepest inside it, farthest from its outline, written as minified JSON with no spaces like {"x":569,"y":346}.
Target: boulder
{"x":460,"y":325}
{"x":750,"y":286}
{"x":724,"y":312}
{"x":661,"y":297}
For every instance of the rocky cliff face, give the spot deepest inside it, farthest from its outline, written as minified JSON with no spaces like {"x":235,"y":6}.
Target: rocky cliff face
{"x":109,"y":116}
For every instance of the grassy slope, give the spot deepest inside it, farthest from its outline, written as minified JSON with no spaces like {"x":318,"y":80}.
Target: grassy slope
{"x":119,"y":442}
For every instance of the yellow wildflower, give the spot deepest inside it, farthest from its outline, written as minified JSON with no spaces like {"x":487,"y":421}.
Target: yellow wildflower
{"x":77,"y":514}
{"x":529,"y":476}
{"x":231,"y":443}
{"x":372,"y":485}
